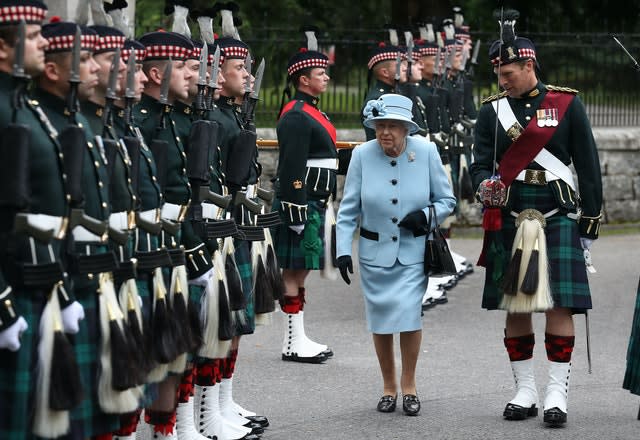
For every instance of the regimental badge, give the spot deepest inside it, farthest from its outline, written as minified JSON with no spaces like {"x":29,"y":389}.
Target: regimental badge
{"x":547,"y":117}
{"x":514,"y":131}
{"x":511,"y":53}
{"x":297,"y":184}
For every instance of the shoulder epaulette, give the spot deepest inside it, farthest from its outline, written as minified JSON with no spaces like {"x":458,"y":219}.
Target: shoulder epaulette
{"x":494,"y":97}
{"x":562,"y":89}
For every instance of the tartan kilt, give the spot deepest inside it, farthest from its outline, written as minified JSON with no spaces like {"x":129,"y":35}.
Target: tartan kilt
{"x":87,"y":417}
{"x":245,"y":320}
{"x":567,"y":271}
{"x":632,"y":373}
{"x":18,"y":370}
{"x":287,"y":243}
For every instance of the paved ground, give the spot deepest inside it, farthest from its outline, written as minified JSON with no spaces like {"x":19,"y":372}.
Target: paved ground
{"x":464,"y":378}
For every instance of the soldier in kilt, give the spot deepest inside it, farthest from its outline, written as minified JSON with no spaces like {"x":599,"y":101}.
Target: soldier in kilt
{"x":632,"y":373}
{"x":531,"y":211}
{"x":34,"y":191}
{"x":306,"y":182}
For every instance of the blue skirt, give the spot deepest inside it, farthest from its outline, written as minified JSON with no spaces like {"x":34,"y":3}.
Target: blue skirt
{"x":393,"y":297}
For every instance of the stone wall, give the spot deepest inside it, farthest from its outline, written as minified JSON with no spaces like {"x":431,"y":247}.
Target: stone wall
{"x":619,"y":150}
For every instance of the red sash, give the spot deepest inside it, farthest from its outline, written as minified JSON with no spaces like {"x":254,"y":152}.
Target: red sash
{"x":533,"y":139}
{"x":315,"y":114}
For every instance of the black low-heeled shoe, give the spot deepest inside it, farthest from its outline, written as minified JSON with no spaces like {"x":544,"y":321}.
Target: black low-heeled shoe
{"x":410,"y":404}
{"x":387,"y":403}
{"x":555,"y":417}
{"x":518,"y":412}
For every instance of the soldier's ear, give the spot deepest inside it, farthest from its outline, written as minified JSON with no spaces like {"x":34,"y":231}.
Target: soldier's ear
{"x":155,"y":75}
{"x":51,"y":71}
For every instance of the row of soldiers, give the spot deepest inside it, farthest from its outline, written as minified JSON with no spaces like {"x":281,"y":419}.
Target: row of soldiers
{"x":138,"y":248}
{"x":436,"y":72}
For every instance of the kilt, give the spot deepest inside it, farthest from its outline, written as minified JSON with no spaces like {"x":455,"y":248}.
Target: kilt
{"x":288,"y":244}
{"x":567,"y":271}
{"x":18,"y":370}
{"x":632,"y":374}
{"x":245,"y":320}
{"x":88,"y":417}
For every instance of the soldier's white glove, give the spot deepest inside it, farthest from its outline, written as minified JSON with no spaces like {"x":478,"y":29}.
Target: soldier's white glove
{"x":10,"y":338}
{"x":297,"y":228}
{"x":203,"y":279}
{"x":71,"y":317}
{"x":586,"y":243}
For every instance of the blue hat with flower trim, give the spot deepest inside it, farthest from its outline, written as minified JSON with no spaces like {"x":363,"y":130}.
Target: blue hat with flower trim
{"x":390,"y":107}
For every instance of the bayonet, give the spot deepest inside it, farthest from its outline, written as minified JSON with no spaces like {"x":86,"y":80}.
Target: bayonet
{"x":398,"y":70}
{"x":258,"y":82}
{"x":202,"y":79}
{"x":476,"y":50}
{"x":18,"y":61}
{"x":635,"y":63}
{"x":111,"y":93}
{"x":164,"y":84}
{"x":213,"y":80}
{"x":130,"y":91}
{"x":409,"y":39}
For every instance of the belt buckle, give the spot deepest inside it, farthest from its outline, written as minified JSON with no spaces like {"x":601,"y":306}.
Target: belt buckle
{"x":182,"y":214}
{"x":131,"y":220}
{"x":535,"y":177}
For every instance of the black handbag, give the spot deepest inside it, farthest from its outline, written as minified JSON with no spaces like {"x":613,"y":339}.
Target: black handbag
{"x":437,"y":256}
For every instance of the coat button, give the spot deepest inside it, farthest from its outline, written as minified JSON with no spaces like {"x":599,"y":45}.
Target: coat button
{"x":393,"y":163}
{"x":394,"y":181}
{"x":394,"y":201}
{"x":394,"y":238}
{"x":394,"y":219}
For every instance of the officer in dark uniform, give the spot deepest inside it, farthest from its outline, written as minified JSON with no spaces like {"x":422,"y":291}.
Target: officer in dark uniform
{"x":411,"y":87}
{"x":33,"y":224}
{"x":541,"y":130}
{"x":382,"y":69}
{"x":306,"y":182}
{"x":91,"y":262}
{"x":154,"y":115}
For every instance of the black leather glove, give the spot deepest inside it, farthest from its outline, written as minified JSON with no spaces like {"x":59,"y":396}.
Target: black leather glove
{"x":344,"y":263}
{"x":416,"y":222}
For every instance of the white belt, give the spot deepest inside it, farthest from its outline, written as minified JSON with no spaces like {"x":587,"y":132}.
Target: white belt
{"x":47,"y":223}
{"x":548,"y":175}
{"x":251,"y":191}
{"x":331,"y":163}
{"x":210,"y":211}
{"x":151,"y":215}
{"x":173,"y":212}
{"x":122,"y":221}
{"x":81,"y":234}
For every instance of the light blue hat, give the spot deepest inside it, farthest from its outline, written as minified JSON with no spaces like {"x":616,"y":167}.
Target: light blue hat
{"x":389,"y":106}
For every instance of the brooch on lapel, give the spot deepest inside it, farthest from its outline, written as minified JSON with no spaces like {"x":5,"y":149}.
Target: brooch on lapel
{"x":412,"y":156}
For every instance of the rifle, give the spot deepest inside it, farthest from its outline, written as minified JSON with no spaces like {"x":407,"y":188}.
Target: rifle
{"x":200,"y":104}
{"x":253,"y":98}
{"x":244,"y":108}
{"x":213,"y":79}
{"x":397,"y":75}
{"x":474,"y":60}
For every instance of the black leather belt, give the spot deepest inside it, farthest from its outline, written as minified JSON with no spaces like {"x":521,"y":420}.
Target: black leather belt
{"x":220,"y":228}
{"x":37,"y":275}
{"x":252,"y":233}
{"x":369,"y":235}
{"x":268,"y":220}
{"x":177,"y":257}
{"x":147,"y":261}
{"x":126,"y":270}
{"x":91,"y":264}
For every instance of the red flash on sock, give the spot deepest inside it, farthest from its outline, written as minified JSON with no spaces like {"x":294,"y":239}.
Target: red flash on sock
{"x":520,"y":348}
{"x":559,"y":348}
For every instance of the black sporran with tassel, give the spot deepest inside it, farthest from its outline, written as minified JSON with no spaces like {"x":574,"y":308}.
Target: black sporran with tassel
{"x":437,"y":256}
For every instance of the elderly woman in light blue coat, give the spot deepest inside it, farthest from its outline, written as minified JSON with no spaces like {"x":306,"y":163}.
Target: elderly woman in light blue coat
{"x":391,"y":182}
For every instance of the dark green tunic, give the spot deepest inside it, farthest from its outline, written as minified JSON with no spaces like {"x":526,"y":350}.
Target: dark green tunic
{"x":95,"y":183}
{"x":572,"y":143}
{"x":18,"y":377}
{"x":302,"y":191}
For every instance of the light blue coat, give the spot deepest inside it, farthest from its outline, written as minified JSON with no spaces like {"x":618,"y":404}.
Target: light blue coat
{"x":372,"y":200}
